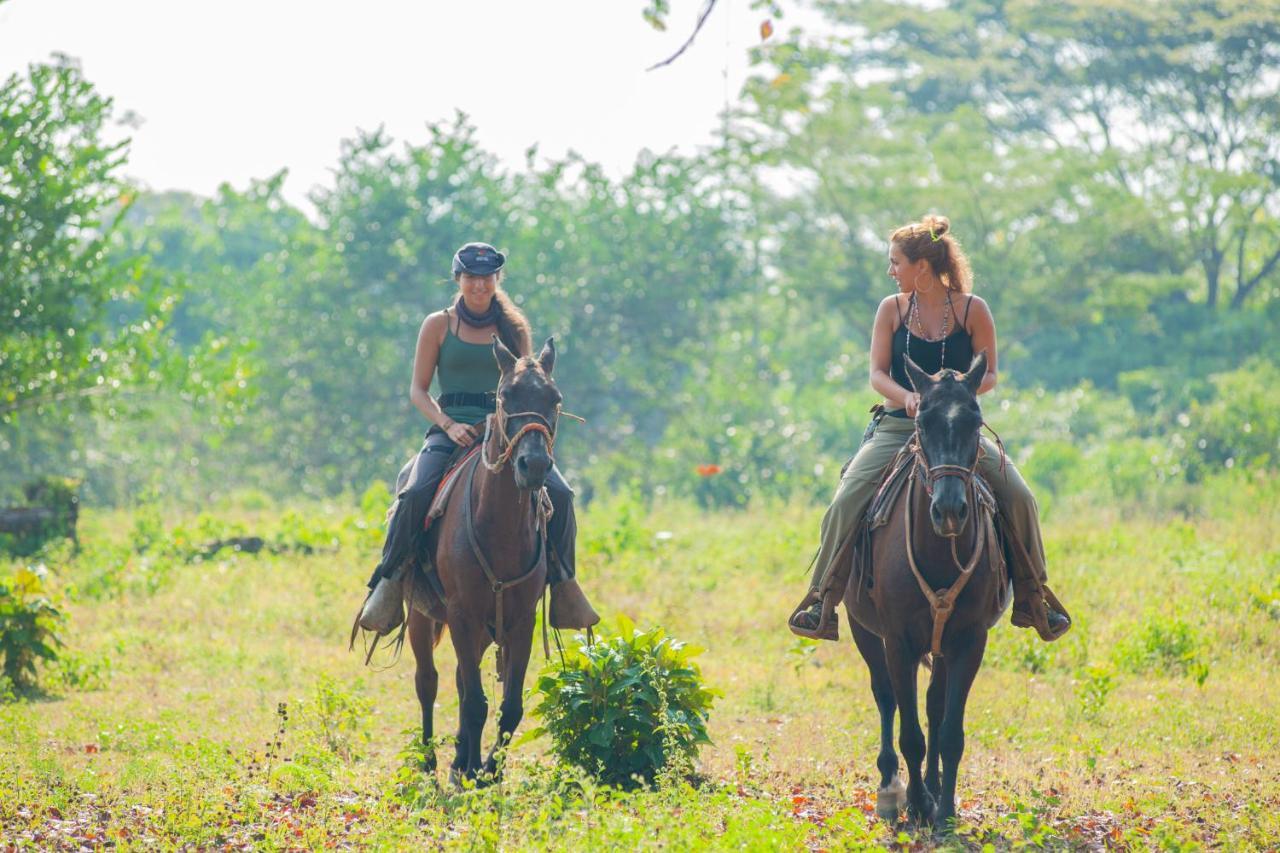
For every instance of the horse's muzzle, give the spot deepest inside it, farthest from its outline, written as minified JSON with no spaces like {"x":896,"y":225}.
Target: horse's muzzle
{"x":532,"y":468}
{"x":949,"y":511}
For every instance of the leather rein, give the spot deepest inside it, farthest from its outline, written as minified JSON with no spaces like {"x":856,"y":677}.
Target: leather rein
{"x":498,"y":585}
{"x":942,"y":601}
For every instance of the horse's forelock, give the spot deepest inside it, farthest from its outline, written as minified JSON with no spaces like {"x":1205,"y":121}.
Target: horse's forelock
{"x":528,"y":374}
{"x":527,"y":363}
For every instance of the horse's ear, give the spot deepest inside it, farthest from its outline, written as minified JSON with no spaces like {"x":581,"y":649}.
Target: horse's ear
{"x":977,"y":370}
{"x":547,"y":358}
{"x":506,"y":361}
{"x":919,"y":379}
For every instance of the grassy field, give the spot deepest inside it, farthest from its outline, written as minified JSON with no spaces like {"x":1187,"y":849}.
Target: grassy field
{"x":212,"y":701}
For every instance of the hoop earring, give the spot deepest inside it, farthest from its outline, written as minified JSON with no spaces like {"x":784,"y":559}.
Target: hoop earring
{"x":915,"y":283}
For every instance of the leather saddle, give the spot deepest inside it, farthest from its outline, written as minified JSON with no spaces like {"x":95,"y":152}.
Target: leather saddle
{"x":422,"y":587}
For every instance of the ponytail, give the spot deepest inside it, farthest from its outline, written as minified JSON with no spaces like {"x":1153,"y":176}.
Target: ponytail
{"x":931,"y":239}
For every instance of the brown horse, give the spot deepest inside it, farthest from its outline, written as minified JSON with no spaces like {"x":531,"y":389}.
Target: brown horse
{"x":930,"y":588}
{"x":489,"y":549}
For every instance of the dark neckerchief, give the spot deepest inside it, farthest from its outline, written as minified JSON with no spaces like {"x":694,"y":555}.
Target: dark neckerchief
{"x":478,"y":321}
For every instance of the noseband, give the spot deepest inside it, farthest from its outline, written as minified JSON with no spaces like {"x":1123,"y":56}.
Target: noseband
{"x":508,"y":442}
{"x":934,"y":473}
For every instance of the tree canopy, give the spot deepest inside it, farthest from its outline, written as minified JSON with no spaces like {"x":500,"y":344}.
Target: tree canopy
{"x":1109,"y":167}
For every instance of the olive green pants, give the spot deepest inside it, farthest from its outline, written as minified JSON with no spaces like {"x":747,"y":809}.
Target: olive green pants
{"x":861,"y":477}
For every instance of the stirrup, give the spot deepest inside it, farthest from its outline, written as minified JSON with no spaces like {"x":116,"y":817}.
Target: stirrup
{"x":826,"y":629}
{"x":1037,"y":615}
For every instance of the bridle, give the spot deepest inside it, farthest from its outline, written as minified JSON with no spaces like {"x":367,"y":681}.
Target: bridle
{"x":542,"y":503}
{"x":934,"y":473}
{"x":507,"y":443}
{"x":942,"y":601}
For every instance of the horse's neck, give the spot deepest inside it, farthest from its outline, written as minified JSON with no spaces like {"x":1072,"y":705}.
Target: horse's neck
{"x":503,"y":510}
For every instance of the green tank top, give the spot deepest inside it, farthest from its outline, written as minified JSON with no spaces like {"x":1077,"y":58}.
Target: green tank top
{"x":468,"y":369}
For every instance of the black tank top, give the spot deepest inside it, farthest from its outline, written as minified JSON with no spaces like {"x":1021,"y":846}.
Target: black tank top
{"x":928,"y":354}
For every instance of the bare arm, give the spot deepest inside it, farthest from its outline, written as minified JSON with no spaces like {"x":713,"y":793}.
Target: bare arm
{"x":882,"y":357}
{"x":982,"y":331}
{"x":425,"y":357}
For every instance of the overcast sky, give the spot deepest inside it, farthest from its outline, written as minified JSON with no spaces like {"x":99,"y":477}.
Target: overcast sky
{"x":238,"y":89}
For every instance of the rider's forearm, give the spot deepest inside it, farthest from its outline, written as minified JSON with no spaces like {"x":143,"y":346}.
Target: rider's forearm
{"x":885,"y":385}
{"x":426,"y":404}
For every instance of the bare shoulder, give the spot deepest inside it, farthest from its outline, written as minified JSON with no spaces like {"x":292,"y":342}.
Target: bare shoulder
{"x":890,"y":306}
{"x":435,"y":326}
{"x":978,"y":312}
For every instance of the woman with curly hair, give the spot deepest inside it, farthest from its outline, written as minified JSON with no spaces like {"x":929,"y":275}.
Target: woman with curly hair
{"x":937,"y":321}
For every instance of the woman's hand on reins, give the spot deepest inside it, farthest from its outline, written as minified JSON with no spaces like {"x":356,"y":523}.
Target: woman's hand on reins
{"x":461,"y":434}
{"x":911,"y":402}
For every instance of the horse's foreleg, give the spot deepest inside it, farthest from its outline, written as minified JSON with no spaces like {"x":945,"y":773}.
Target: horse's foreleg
{"x":460,"y":742}
{"x":516,"y":661}
{"x":965,"y":659}
{"x":426,"y":679}
{"x":935,"y":706}
{"x":903,"y":662}
{"x":889,"y":797}
{"x":473,"y":707}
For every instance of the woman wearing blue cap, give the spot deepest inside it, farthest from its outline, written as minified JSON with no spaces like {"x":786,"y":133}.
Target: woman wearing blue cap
{"x":455,"y":347}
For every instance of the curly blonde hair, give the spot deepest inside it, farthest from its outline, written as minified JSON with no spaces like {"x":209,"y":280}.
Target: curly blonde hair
{"x":931,"y":239}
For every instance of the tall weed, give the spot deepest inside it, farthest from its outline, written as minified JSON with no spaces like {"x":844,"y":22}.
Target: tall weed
{"x":29,"y":624}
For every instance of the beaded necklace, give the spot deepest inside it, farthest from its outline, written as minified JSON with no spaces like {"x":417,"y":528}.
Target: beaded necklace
{"x":913,"y":313}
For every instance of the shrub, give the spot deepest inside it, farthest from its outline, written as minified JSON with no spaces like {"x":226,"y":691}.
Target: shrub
{"x":52,"y":508}
{"x":338,"y":717}
{"x":1164,"y":644}
{"x":626,"y":708}
{"x":28,"y":627}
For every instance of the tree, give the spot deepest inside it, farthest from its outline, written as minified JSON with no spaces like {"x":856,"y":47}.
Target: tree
{"x":1179,"y":102}
{"x":77,"y":324}
{"x":84,"y":329}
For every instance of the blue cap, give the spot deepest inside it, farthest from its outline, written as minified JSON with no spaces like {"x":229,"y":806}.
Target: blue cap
{"x":478,"y":259}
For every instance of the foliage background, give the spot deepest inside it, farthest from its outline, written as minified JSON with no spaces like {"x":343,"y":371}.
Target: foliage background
{"x":1110,"y":166}
{"x":221,"y":368}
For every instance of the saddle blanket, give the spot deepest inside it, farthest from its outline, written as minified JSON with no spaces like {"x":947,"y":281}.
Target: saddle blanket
{"x":447,"y":482}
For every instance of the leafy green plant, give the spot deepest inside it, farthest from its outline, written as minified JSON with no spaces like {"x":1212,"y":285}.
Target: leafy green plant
{"x":619,"y":529}
{"x":1095,"y":686}
{"x":83,"y":672}
{"x":148,"y":528}
{"x":339,"y":718}
{"x":411,"y":786}
{"x":28,"y":627}
{"x":1163,"y":642}
{"x":627,"y":708}
{"x":304,"y":533}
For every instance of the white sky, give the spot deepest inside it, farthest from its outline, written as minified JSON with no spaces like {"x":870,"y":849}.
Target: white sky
{"x":237,"y":89}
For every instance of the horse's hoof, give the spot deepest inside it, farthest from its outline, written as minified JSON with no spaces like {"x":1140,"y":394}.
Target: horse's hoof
{"x":923,"y":815}
{"x":890,"y":799}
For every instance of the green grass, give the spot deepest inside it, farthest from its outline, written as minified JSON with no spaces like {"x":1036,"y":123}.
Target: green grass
{"x":213,"y":702}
